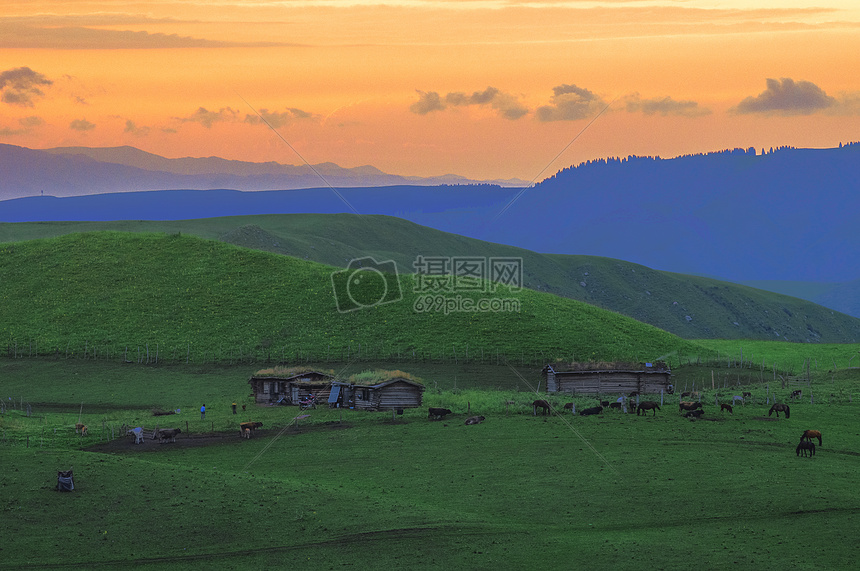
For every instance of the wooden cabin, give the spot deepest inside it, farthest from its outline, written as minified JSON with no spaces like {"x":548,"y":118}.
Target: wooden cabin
{"x":396,"y":393}
{"x":291,"y":389}
{"x":647,"y":378}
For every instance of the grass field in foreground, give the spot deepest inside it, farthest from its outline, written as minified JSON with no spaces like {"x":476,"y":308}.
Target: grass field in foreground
{"x":613,"y":492}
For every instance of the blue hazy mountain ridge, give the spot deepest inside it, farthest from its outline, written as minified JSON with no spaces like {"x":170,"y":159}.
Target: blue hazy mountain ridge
{"x":738,"y":215}
{"x":76,"y":171}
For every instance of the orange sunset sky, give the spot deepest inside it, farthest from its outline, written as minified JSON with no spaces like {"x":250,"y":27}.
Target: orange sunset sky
{"x":482,"y":88}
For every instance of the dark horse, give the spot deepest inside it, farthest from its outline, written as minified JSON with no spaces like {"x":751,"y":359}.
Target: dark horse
{"x":644,"y":407}
{"x":804,"y":447}
{"x":724,"y":406}
{"x":540,"y":404}
{"x":780,"y":407}
{"x":810,"y":434}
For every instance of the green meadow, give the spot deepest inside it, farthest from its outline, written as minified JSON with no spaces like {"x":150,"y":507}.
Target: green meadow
{"x":355,"y":489}
{"x":106,"y":328}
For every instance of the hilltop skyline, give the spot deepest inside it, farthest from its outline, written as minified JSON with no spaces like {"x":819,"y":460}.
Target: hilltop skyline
{"x":483,"y":89}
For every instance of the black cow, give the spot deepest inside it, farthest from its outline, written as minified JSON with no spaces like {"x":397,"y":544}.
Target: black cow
{"x":166,"y":434}
{"x":695,"y":413}
{"x":797,"y":394}
{"x":615,"y":405}
{"x":438,"y":413}
{"x":682,"y":406}
{"x":590,"y":411}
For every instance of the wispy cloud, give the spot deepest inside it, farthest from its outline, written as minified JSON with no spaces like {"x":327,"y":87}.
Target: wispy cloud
{"x":132,"y":128}
{"x":787,"y":97}
{"x":208,"y":118}
{"x":21,"y":86}
{"x":81,"y":125}
{"x":506,"y":104}
{"x":278,"y":119}
{"x":664,"y":106}
{"x":570,"y":103}
{"x":16,"y":34}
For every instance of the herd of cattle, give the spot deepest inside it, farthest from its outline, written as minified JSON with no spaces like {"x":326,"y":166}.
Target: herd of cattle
{"x":690,"y":409}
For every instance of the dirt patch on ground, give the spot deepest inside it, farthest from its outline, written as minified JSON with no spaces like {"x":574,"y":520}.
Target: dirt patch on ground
{"x":126,"y":445}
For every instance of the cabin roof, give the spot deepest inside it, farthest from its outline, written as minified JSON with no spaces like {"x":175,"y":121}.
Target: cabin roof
{"x":608,"y":371}
{"x":293,"y":378}
{"x":382,"y":384}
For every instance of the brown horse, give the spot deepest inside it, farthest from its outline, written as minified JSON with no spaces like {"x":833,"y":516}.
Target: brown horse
{"x":644,"y":407}
{"x":805,"y":447}
{"x":540,"y":404}
{"x":810,"y":434}
{"x":728,"y":407}
{"x":780,"y":407}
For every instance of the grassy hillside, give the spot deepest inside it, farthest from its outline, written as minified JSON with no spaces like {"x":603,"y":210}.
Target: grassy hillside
{"x":690,"y":307}
{"x":181,"y":297}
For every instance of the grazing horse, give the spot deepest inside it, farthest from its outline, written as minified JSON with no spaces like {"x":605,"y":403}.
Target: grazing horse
{"x":804,"y":447}
{"x":810,"y":434}
{"x":540,"y":404}
{"x":728,"y":407}
{"x":780,"y":407}
{"x":644,"y":407}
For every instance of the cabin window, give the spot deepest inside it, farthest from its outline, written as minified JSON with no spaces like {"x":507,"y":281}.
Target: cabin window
{"x":265,"y":388}
{"x":365,"y":394}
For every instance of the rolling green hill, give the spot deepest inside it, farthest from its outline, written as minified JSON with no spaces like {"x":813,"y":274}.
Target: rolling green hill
{"x":689,"y":306}
{"x":177,"y":296}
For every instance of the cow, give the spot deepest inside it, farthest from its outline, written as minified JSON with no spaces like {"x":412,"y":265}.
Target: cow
{"x":604,"y":403}
{"x":166,"y":434}
{"x":138,"y":434}
{"x":79,"y":427}
{"x":540,"y":404}
{"x":249,"y":426}
{"x":810,"y":434}
{"x":644,"y":407}
{"x":615,"y":405}
{"x":797,"y":394}
{"x":475,"y":420}
{"x":728,"y":407}
{"x":590,"y":411}
{"x":246,"y":433}
{"x":805,"y":447}
{"x":568,"y":406}
{"x":683,"y":405}
{"x":438,"y":413}
{"x":780,"y":407}
{"x":746,"y":394}
{"x":695,"y":413}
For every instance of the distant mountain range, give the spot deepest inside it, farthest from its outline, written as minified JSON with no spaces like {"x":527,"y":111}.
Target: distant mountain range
{"x":778,"y":217}
{"x":76,"y":171}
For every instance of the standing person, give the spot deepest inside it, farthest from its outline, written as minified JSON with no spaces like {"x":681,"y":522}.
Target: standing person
{"x":234,"y":408}
{"x":202,"y":412}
